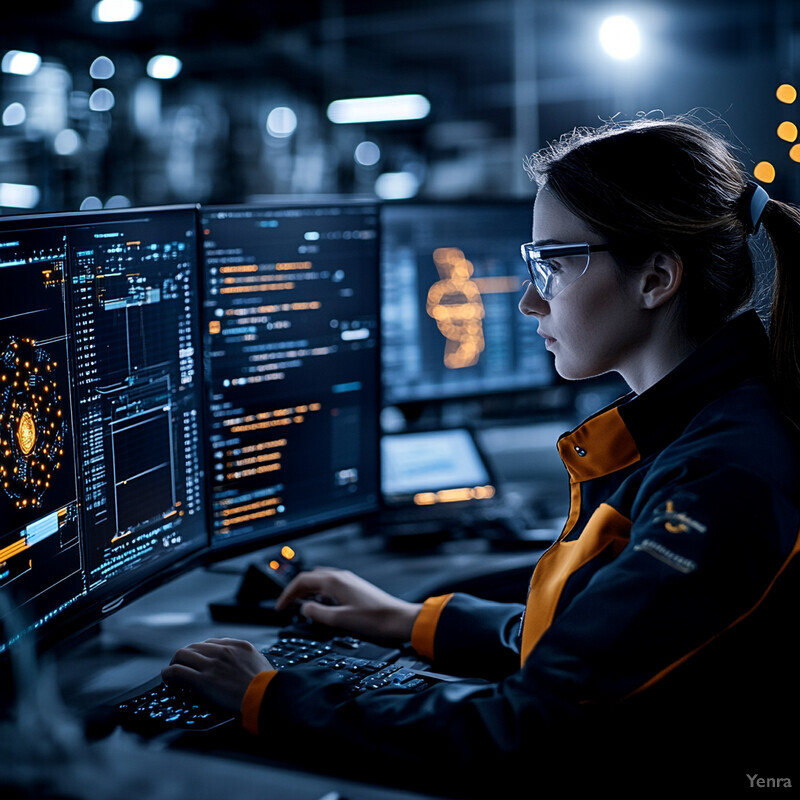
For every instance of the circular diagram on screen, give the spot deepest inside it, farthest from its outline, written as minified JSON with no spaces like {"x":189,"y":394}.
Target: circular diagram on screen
{"x":32,"y":424}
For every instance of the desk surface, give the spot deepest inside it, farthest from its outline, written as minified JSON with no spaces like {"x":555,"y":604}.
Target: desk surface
{"x":134,"y":645}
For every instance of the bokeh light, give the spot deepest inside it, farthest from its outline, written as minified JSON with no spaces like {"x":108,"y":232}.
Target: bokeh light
{"x":764,"y":172}
{"x":14,"y":114}
{"x":164,"y":67}
{"x":281,"y":122}
{"x":20,"y":62}
{"x":367,"y":154}
{"x":101,"y":100}
{"x":787,"y":131}
{"x":116,"y":10}
{"x":102,"y":68}
{"x":67,"y":142}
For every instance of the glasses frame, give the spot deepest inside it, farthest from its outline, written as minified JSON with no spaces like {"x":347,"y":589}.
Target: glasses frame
{"x":536,"y":258}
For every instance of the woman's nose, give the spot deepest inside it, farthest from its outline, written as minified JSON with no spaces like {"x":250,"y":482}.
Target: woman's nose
{"x":531,"y":303}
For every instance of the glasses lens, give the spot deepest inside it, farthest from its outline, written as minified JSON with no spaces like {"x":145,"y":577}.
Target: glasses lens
{"x":542,"y":276}
{"x":554,"y":268}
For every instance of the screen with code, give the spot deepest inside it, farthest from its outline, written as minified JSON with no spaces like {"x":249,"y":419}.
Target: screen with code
{"x":292,"y":367}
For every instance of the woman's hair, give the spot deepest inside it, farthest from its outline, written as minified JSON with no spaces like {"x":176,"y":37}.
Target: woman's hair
{"x":672,"y":185}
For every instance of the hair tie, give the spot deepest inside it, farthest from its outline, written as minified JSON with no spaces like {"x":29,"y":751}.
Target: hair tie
{"x":754,"y":199}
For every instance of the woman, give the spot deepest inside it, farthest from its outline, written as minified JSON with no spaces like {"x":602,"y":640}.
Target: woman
{"x":651,"y":622}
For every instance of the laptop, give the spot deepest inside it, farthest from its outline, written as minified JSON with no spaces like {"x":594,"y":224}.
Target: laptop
{"x":436,"y":483}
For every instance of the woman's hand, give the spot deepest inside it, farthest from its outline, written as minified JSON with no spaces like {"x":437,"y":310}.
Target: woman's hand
{"x":338,"y":598}
{"x":218,"y":669}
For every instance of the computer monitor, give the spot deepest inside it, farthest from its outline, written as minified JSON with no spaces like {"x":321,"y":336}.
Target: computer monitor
{"x":101,"y":447}
{"x":451,"y":280}
{"x":292,"y":368}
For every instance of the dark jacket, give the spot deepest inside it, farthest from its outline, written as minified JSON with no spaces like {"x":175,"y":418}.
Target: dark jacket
{"x":656,"y":627}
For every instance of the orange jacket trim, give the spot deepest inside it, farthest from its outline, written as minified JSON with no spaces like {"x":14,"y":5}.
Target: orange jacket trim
{"x":424,"y":631}
{"x":606,"y":528}
{"x":253,"y":697}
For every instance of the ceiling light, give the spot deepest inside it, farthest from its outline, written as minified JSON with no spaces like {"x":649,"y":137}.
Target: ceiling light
{"x":116,"y":10}
{"x":379,"y":109}
{"x":619,"y":36}
{"x":19,"y":195}
{"x":396,"y":185}
{"x":164,"y":67}
{"x":281,"y":122}
{"x":18,"y":62}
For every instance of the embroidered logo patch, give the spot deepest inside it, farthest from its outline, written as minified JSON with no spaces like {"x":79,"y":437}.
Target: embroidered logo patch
{"x":676,"y":521}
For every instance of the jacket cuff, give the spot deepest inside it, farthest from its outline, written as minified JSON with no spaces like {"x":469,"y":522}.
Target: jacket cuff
{"x":424,"y":630}
{"x":253,"y":697}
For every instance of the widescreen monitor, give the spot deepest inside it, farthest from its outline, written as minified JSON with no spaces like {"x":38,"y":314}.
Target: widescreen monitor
{"x":101,"y":447}
{"x":452,"y":278}
{"x":292,"y":366}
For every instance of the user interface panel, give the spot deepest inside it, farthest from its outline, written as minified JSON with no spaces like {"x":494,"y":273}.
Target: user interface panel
{"x":292,"y":367}
{"x":101,"y":448}
{"x":452,"y":279}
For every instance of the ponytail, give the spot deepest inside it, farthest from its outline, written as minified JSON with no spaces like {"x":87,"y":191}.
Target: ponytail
{"x":782,"y":224}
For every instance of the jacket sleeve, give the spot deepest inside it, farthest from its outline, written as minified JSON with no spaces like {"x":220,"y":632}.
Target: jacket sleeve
{"x":467,"y":636}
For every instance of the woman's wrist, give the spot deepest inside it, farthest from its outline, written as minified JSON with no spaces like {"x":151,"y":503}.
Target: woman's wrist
{"x":403,"y":620}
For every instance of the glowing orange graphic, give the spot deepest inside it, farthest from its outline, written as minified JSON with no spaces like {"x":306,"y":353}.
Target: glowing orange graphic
{"x":26,"y":433}
{"x":455,"y":303}
{"x":32,"y":424}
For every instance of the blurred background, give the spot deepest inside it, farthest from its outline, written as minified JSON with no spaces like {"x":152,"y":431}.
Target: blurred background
{"x":140,"y":102}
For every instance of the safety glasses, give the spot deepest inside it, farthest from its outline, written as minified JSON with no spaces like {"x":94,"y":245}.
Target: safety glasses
{"x":553,"y":267}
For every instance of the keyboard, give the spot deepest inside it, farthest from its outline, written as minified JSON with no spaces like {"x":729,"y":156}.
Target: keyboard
{"x":364,"y":666}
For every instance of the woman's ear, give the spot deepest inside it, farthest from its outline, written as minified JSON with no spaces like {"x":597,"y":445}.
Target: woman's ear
{"x":660,"y":279}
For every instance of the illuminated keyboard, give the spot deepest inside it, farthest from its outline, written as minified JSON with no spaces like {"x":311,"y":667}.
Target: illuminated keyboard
{"x":364,"y":666}
{"x":362,"y":672}
{"x":165,"y":708}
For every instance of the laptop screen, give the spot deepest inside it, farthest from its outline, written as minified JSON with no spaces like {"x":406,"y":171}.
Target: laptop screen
{"x":432,"y":467}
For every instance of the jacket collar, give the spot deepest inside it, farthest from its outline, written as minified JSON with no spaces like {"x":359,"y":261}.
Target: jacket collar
{"x":637,"y":425}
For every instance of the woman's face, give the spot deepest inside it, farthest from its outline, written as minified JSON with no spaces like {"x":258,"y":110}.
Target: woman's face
{"x":596,"y":324}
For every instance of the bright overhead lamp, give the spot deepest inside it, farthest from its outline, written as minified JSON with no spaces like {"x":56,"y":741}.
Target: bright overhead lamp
{"x":379,"y":109}
{"x":619,"y":36}
{"x":396,"y":185}
{"x":281,"y":122}
{"x":20,"y":62}
{"x":163,"y":67}
{"x":116,"y":10}
{"x":19,"y":195}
